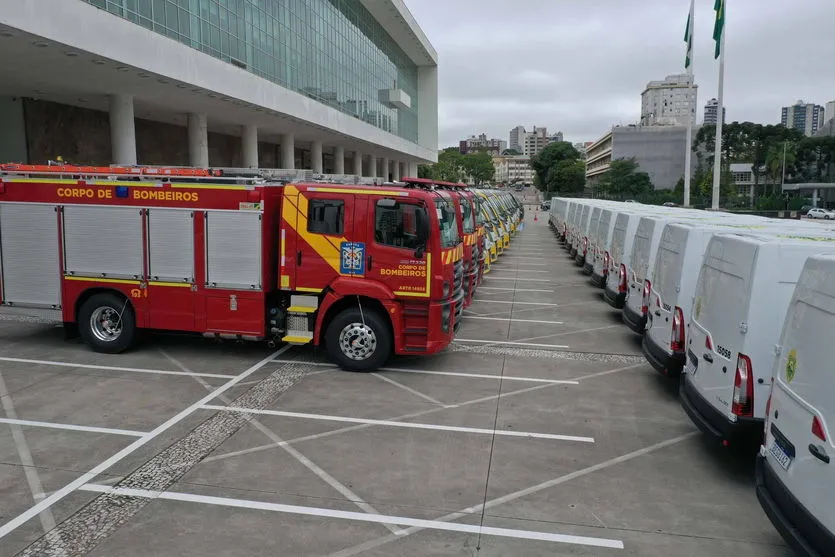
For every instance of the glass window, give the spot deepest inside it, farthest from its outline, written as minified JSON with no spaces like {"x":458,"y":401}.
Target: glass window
{"x":467,"y":215}
{"x":449,"y":226}
{"x":397,"y":225}
{"x":326,"y":216}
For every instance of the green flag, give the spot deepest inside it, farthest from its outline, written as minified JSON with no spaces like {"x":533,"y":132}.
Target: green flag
{"x":688,"y":38}
{"x":719,"y":26}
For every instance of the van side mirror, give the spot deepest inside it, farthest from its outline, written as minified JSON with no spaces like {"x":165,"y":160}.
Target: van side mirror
{"x":422,"y":231}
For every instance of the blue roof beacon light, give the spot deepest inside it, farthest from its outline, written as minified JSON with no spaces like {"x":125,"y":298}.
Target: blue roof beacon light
{"x":122,"y":191}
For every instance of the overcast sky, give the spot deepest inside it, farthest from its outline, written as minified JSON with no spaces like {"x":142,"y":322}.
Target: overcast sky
{"x":579,"y":66}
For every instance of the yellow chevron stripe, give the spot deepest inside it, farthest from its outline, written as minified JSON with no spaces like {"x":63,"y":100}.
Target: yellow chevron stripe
{"x":320,"y":244}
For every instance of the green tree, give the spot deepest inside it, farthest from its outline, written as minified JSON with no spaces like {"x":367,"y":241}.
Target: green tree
{"x":479,"y":167}
{"x":549,"y":157}
{"x":450,"y":166}
{"x":567,"y":176}
{"x":624,"y":179}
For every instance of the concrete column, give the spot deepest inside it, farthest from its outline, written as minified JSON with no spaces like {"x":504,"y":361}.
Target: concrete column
{"x":339,"y":160}
{"x":122,"y":130}
{"x":413,"y":169}
{"x":372,"y":167}
{"x":815,"y":197}
{"x":316,"y":157}
{"x":198,"y":140}
{"x":288,"y":151}
{"x":249,"y":145}
{"x":358,"y":163}
{"x":396,"y":171}
{"x":385,"y":170}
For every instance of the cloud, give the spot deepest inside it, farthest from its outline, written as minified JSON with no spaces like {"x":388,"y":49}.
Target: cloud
{"x":579,"y":66}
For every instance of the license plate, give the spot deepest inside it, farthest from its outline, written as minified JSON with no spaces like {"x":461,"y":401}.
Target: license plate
{"x":780,"y":455}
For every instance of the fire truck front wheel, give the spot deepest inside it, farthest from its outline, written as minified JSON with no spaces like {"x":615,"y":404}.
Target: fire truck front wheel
{"x":107,"y":323}
{"x":358,"y":340}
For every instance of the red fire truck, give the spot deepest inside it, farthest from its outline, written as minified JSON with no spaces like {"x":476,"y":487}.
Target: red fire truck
{"x":366,"y":271}
{"x":464,"y":202}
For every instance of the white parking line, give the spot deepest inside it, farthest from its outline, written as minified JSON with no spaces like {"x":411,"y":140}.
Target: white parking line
{"x":508,"y":343}
{"x":418,"y":394}
{"x":408,"y":425}
{"x":491,"y":277}
{"x":449,"y":373}
{"x":112,"y":368}
{"x":523,"y":303}
{"x":71,"y":427}
{"x":33,"y":511}
{"x":469,"y":316}
{"x":528,"y":264}
{"x":508,"y":270}
{"x":496,"y":288}
{"x":352,"y":515}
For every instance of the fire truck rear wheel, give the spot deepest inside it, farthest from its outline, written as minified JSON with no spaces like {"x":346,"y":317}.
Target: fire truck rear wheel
{"x":107,"y":323}
{"x":358,"y":341}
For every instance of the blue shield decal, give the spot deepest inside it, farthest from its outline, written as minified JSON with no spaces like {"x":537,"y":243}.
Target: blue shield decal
{"x":352,"y":258}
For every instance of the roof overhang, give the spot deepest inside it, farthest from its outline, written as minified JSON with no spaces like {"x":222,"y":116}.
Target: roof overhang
{"x":396,"y":18}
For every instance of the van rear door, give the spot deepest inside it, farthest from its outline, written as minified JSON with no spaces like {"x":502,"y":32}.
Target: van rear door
{"x":721,"y":302}
{"x":803,"y":401}
{"x":665,"y":283}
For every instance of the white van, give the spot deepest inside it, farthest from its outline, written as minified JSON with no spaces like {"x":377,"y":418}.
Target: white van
{"x":600,"y":249}
{"x":677,"y":263}
{"x":795,"y":475}
{"x":742,"y":294}
{"x":571,"y":221}
{"x":626,"y":223}
{"x":582,"y":257}
{"x":582,"y":223}
{"x":556,"y":213}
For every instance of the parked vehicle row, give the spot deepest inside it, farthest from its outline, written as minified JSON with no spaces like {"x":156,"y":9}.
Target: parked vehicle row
{"x":738,"y":309}
{"x":365,"y":270}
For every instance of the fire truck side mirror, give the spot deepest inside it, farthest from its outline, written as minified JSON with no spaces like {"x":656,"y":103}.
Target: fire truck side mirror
{"x":422,"y":231}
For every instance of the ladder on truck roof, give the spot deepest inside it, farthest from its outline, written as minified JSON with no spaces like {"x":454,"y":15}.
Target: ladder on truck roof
{"x":251,"y":176}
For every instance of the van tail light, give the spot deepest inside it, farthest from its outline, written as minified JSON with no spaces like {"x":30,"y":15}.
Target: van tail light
{"x":585,"y":246}
{"x":743,"y":399}
{"x":708,"y":344}
{"x":645,"y":297}
{"x":622,"y":277}
{"x":606,"y":263}
{"x":817,"y":429}
{"x":677,"y":336}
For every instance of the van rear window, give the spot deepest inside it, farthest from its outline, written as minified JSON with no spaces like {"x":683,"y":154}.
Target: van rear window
{"x":720,"y":296}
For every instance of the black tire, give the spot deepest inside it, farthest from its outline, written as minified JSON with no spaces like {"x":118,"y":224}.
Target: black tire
{"x":365,"y":322}
{"x":107,"y":312}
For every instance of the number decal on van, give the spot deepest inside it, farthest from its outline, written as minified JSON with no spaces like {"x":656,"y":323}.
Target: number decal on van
{"x":791,"y":365}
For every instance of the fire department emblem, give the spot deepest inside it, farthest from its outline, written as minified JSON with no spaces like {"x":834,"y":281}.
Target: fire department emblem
{"x":791,"y":365}
{"x":352,"y":258}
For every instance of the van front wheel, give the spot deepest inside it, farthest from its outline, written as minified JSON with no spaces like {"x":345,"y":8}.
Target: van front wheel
{"x":358,"y":340}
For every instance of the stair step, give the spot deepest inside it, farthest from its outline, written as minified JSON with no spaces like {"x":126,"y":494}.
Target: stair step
{"x":298,"y":338}
{"x":301,"y":309}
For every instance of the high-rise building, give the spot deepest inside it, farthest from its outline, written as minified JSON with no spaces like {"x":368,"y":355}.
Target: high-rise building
{"x":344,"y":87}
{"x":669,"y":102}
{"x":829,"y":111}
{"x":711,"y":112}
{"x":473,"y":144}
{"x":804,"y":117}
{"x":516,"y":137}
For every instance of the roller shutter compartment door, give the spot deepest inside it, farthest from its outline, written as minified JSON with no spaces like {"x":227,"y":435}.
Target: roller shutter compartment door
{"x":103,"y":242}
{"x":30,"y":273}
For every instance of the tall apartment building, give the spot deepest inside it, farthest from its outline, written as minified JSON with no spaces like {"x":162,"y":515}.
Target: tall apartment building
{"x":804,"y":117}
{"x":712,"y":111}
{"x":473,"y":144}
{"x":517,"y":135}
{"x":531,"y":143}
{"x":669,"y":102}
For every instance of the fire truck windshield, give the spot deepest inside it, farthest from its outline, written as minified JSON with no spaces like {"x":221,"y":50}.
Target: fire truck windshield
{"x":479,"y":212}
{"x":446,"y":218}
{"x":467,"y":215}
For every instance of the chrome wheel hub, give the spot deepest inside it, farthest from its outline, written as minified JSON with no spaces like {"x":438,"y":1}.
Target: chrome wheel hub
{"x":357,"y":341}
{"x":106,"y":324}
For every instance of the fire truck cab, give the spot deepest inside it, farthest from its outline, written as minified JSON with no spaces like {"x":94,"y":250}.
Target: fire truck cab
{"x":365,"y":271}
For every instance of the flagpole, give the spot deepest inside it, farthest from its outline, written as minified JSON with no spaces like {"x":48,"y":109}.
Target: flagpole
{"x":717,"y":155}
{"x":689,"y":138}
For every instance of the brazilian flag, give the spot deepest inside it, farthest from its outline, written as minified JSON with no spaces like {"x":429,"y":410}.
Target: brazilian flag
{"x":719,"y":26}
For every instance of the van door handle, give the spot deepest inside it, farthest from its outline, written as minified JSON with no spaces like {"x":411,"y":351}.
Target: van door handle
{"x":658,"y":312}
{"x":298,"y":258}
{"x":708,"y":358}
{"x":369,"y":262}
{"x":819,"y":453}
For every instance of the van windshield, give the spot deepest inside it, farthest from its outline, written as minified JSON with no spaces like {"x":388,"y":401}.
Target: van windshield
{"x":446,"y":218}
{"x":479,"y":211}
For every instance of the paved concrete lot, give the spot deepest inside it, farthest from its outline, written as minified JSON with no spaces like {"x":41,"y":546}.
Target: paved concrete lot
{"x":541,"y":431}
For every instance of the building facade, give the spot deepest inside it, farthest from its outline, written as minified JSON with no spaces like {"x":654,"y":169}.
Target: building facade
{"x":712,"y":111}
{"x":531,"y":143}
{"x":346,"y":87}
{"x":806,"y":118}
{"x":516,"y":137}
{"x":658,"y":150}
{"x":670,"y":101}
{"x":513,"y":170}
{"x":474,"y":144}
